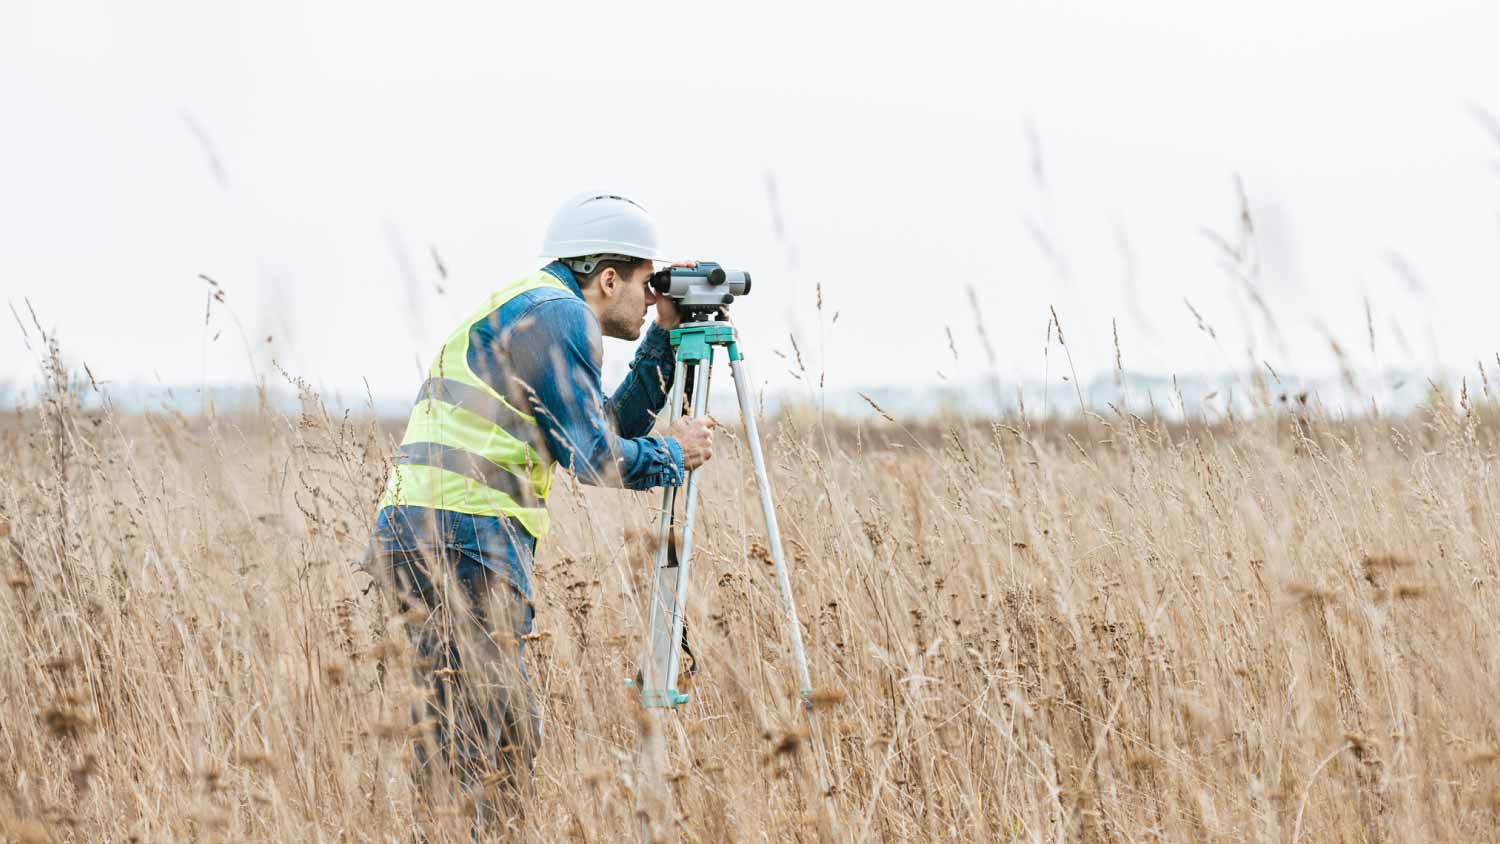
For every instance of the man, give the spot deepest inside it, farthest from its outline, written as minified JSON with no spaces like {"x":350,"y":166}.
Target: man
{"x":513,"y":391}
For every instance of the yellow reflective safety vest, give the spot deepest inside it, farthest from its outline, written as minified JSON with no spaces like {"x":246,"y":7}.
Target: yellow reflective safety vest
{"x":466,"y":448}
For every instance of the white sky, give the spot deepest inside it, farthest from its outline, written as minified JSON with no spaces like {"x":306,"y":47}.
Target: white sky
{"x":897,"y":135}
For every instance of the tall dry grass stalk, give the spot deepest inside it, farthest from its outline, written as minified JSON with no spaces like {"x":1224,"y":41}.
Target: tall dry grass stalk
{"x":1271,"y":630}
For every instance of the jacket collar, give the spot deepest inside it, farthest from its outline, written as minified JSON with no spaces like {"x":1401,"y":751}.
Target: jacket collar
{"x":563,"y":273}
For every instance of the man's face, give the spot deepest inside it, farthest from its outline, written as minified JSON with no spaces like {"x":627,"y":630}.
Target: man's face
{"x":625,"y":309}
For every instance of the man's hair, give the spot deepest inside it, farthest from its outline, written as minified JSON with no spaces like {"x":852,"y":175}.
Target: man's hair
{"x":622,"y":266}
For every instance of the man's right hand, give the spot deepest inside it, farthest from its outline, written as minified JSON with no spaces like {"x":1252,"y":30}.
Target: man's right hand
{"x":696,"y":438}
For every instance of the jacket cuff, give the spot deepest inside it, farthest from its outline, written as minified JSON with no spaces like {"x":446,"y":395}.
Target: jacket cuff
{"x":656,"y":345}
{"x":673,"y":474}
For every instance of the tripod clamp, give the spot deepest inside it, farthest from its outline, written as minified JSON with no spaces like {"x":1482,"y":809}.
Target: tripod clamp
{"x":694,"y":342}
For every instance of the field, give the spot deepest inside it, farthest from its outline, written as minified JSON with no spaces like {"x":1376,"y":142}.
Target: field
{"x":1279,"y":629}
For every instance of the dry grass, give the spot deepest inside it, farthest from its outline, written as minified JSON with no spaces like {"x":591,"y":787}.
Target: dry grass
{"x":1262,"y":631}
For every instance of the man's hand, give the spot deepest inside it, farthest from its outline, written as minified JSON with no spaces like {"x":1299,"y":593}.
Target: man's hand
{"x":667,"y":315}
{"x":696,"y":438}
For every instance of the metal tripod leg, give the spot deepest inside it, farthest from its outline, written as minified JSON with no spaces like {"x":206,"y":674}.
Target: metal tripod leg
{"x":653,"y":798}
{"x":663,"y":660}
{"x":773,"y":533}
{"x":783,"y":578}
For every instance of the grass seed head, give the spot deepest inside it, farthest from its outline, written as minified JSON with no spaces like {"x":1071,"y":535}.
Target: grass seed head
{"x":1385,"y":562}
{"x":65,"y":720}
{"x":826,"y":698}
{"x":255,"y":760}
{"x":787,"y":744}
{"x":1309,"y":593}
{"x":1486,"y":756}
{"x":60,"y":664}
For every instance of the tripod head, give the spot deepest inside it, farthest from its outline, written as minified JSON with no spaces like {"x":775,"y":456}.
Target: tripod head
{"x":702,"y":290}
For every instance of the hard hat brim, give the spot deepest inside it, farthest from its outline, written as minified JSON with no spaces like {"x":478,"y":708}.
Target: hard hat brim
{"x":580,"y":248}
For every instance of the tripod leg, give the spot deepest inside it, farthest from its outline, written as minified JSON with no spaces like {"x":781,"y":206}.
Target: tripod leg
{"x":653,"y":797}
{"x":783,"y":580}
{"x":669,"y":596}
{"x":664,"y":581}
{"x":773,"y":533}
{"x":690,"y":512}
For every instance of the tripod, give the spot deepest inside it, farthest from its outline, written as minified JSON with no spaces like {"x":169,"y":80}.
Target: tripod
{"x":662,"y":664}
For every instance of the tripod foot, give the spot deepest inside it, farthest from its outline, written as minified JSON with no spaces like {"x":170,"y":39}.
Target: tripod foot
{"x":659,"y":698}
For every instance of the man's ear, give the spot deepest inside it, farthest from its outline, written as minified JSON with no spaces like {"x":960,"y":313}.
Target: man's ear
{"x":609,"y":281}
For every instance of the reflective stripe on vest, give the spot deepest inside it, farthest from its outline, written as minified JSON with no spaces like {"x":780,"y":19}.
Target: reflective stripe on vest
{"x":466,"y":463}
{"x":466,"y":448}
{"x":474,"y":400}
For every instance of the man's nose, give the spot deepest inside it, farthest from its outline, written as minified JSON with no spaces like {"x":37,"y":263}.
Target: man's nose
{"x":650,"y":295}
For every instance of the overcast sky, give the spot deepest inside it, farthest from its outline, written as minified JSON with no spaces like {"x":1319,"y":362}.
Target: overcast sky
{"x":309,"y":157}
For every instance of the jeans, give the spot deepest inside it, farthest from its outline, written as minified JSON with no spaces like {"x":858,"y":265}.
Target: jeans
{"x":499,"y":544}
{"x":467,"y":624}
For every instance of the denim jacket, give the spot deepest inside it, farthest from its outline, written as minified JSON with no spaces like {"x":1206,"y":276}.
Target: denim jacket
{"x":553,"y":344}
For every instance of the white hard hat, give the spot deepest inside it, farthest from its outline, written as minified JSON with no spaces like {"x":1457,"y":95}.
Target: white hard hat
{"x":595,"y":223}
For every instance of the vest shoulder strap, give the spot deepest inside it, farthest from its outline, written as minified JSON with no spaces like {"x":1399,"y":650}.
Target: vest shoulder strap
{"x":496,"y":300}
